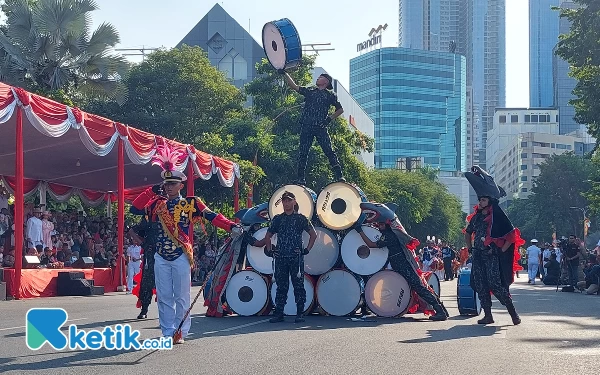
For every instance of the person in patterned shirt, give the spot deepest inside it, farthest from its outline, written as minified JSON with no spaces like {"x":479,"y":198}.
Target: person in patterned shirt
{"x":289,"y":255}
{"x":174,"y":257}
{"x":314,"y":121}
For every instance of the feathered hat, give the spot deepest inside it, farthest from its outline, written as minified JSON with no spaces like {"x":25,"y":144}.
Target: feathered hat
{"x":167,"y":159}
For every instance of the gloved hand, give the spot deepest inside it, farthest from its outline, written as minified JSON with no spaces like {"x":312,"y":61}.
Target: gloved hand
{"x":303,"y":251}
{"x":156,"y":189}
{"x":281,"y":71}
{"x":274,"y":253}
{"x":236,"y":230}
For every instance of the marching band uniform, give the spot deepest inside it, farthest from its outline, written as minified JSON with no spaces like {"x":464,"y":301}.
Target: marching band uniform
{"x":174,"y":255}
{"x":492,"y":239}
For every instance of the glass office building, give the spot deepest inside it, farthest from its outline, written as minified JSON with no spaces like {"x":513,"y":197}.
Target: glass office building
{"x":543,"y":36}
{"x":417,"y":100}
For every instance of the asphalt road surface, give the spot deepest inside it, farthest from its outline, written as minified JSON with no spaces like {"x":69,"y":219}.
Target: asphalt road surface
{"x":560,"y":334}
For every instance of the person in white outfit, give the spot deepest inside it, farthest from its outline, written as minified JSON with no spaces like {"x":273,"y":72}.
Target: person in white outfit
{"x":534,"y":255}
{"x":34,"y":234}
{"x":134,"y":258}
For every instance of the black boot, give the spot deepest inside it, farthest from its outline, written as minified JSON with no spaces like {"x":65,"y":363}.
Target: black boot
{"x":143,"y":313}
{"x":516,"y":319}
{"x":337,"y":171}
{"x":277,"y":316}
{"x":299,"y":314}
{"x":440,"y":313}
{"x":487,"y":318}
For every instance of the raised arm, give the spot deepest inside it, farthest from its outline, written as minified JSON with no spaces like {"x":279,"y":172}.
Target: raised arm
{"x":289,"y":81}
{"x":367,"y":240}
{"x":218,"y":220}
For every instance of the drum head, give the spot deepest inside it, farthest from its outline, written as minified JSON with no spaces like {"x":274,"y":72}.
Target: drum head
{"x":247,"y":293}
{"x":290,"y":305}
{"x":256,"y":255}
{"x":274,"y":46}
{"x":304,"y":197}
{"x":434,"y":282}
{"x":324,"y":254}
{"x":339,"y":292}
{"x":358,"y":257}
{"x":387,"y":294}
{"x":338,"y":205}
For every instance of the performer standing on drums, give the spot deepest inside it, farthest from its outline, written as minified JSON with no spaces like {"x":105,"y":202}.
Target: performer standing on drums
{"x":174,"y":254}
{"x":289,"y":255}
{"x":401,"y":257}
{"x":314,"y":121}
{"x":492,"y":239}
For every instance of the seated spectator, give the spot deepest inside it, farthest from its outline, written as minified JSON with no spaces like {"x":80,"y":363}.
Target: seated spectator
{"x":100,"y":259}
{"x":9,"y":259}
{"x":62,"y":254}
{"x":47,"y":257}
{"x":32,"y":251}
{"x":592,"y":275}
{"x":552,"y":271}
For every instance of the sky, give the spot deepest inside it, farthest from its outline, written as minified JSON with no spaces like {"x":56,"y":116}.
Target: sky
{"x":159,"y":23}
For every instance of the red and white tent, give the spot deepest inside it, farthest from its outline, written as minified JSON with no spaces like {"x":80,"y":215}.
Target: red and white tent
{"x":65,"y":151}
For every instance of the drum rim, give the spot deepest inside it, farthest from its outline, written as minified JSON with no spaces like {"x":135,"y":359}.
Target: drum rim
{"x":409,"y":300}
{"x":268,"y":288}
{"x":354,"y":276}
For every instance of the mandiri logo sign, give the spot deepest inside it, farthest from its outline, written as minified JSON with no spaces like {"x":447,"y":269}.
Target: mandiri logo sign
{"x":44,"y":325}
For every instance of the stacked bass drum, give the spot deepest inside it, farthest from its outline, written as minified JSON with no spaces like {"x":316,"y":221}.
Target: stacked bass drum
{"x":341,"y":273}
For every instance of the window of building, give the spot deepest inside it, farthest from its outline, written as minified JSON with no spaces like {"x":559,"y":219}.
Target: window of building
{"x":502,"y":119}
{"x":524,"y":155}
{"x":527,"y":118}
{"x":523,"y":190}
{"x":553,"y":145}
{"x":523,"y":178}
{"x":534,"y":118}
{"x":523,"y":167}
{"x":514,"y":118}
{"x":524,"y":144}
{"x":569,"y":147}
{"x":234,"y":66}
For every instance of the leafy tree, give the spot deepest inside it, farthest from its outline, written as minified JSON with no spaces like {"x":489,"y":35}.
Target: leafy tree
{"x":580,"y":48}
{"x":47,"y":46}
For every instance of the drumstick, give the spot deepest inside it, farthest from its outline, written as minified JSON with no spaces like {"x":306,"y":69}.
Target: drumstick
{"x":273,"y":265}
{"x":299,"y":275}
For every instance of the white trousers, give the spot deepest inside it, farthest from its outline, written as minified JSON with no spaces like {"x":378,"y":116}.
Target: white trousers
{"x":173,"y":289}
{"x":132,"y":269}
{"x":532,"y":269}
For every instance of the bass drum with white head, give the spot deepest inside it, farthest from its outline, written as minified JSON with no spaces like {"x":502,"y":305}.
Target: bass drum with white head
{"x":247,"y":293}
{"x":340,"y":292}
{"x":305,"y":198}
{"x":358,"y":257}
{"x":256,"y":255}
{"x":338,"y":205}
{"x":281,"y":43}
{"x":388,"y":294}
{"x":325,"y":253}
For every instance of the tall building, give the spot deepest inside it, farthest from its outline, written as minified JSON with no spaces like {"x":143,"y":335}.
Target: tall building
{"x":417,"y":100}
{"x":229,"y":46}
{"x":563,"y":83}
{"x":357,"y":118}
{"x":543,"y":36}
{"x":428,"y":24}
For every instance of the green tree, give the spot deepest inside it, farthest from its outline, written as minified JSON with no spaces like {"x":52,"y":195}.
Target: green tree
{"x":580,"y":48}
{"x":47,"y":47}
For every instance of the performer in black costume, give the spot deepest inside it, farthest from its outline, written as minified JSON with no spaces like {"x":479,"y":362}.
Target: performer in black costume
{"x":314,"y":121}
{"x":492,"y":239}
{"x":401,"y":257}
{"x":142,"y":233}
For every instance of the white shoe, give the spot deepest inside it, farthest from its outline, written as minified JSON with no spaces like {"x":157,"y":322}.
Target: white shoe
{"x":180,"y":341}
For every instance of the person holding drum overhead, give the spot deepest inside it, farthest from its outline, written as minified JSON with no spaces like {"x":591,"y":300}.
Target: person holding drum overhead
{"x":314,"y":121}
{"x":492,"y":239}
{"x":289,"y":255}
{"x":400,"y":257}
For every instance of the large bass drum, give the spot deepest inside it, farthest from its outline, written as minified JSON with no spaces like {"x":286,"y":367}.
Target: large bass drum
{"x":358,"y":257}
{"x":247,"y":293}
{"x":305,"y":198}
{"x":290,"y":305}
{"x":387,"y":294}
{"x":256,"y":255}
{"x":338,"y":205}
{"x":340,"y":292}
{"x":324,"y":254}
{"x":281,"y":43}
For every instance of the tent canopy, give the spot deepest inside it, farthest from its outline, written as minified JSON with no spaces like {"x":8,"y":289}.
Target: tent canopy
{"x":66,"y":146}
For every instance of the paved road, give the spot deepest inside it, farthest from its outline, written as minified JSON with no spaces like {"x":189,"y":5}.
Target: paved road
{"x":560,"y":334}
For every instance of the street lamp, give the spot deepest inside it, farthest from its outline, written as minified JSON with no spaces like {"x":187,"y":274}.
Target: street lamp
{"x":585,"y":222}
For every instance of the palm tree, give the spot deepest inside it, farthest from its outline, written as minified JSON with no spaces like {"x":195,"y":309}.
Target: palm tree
{"x":46,"y":45}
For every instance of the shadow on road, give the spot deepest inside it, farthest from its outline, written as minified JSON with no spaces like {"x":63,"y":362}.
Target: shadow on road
{"x":456,"y":333}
